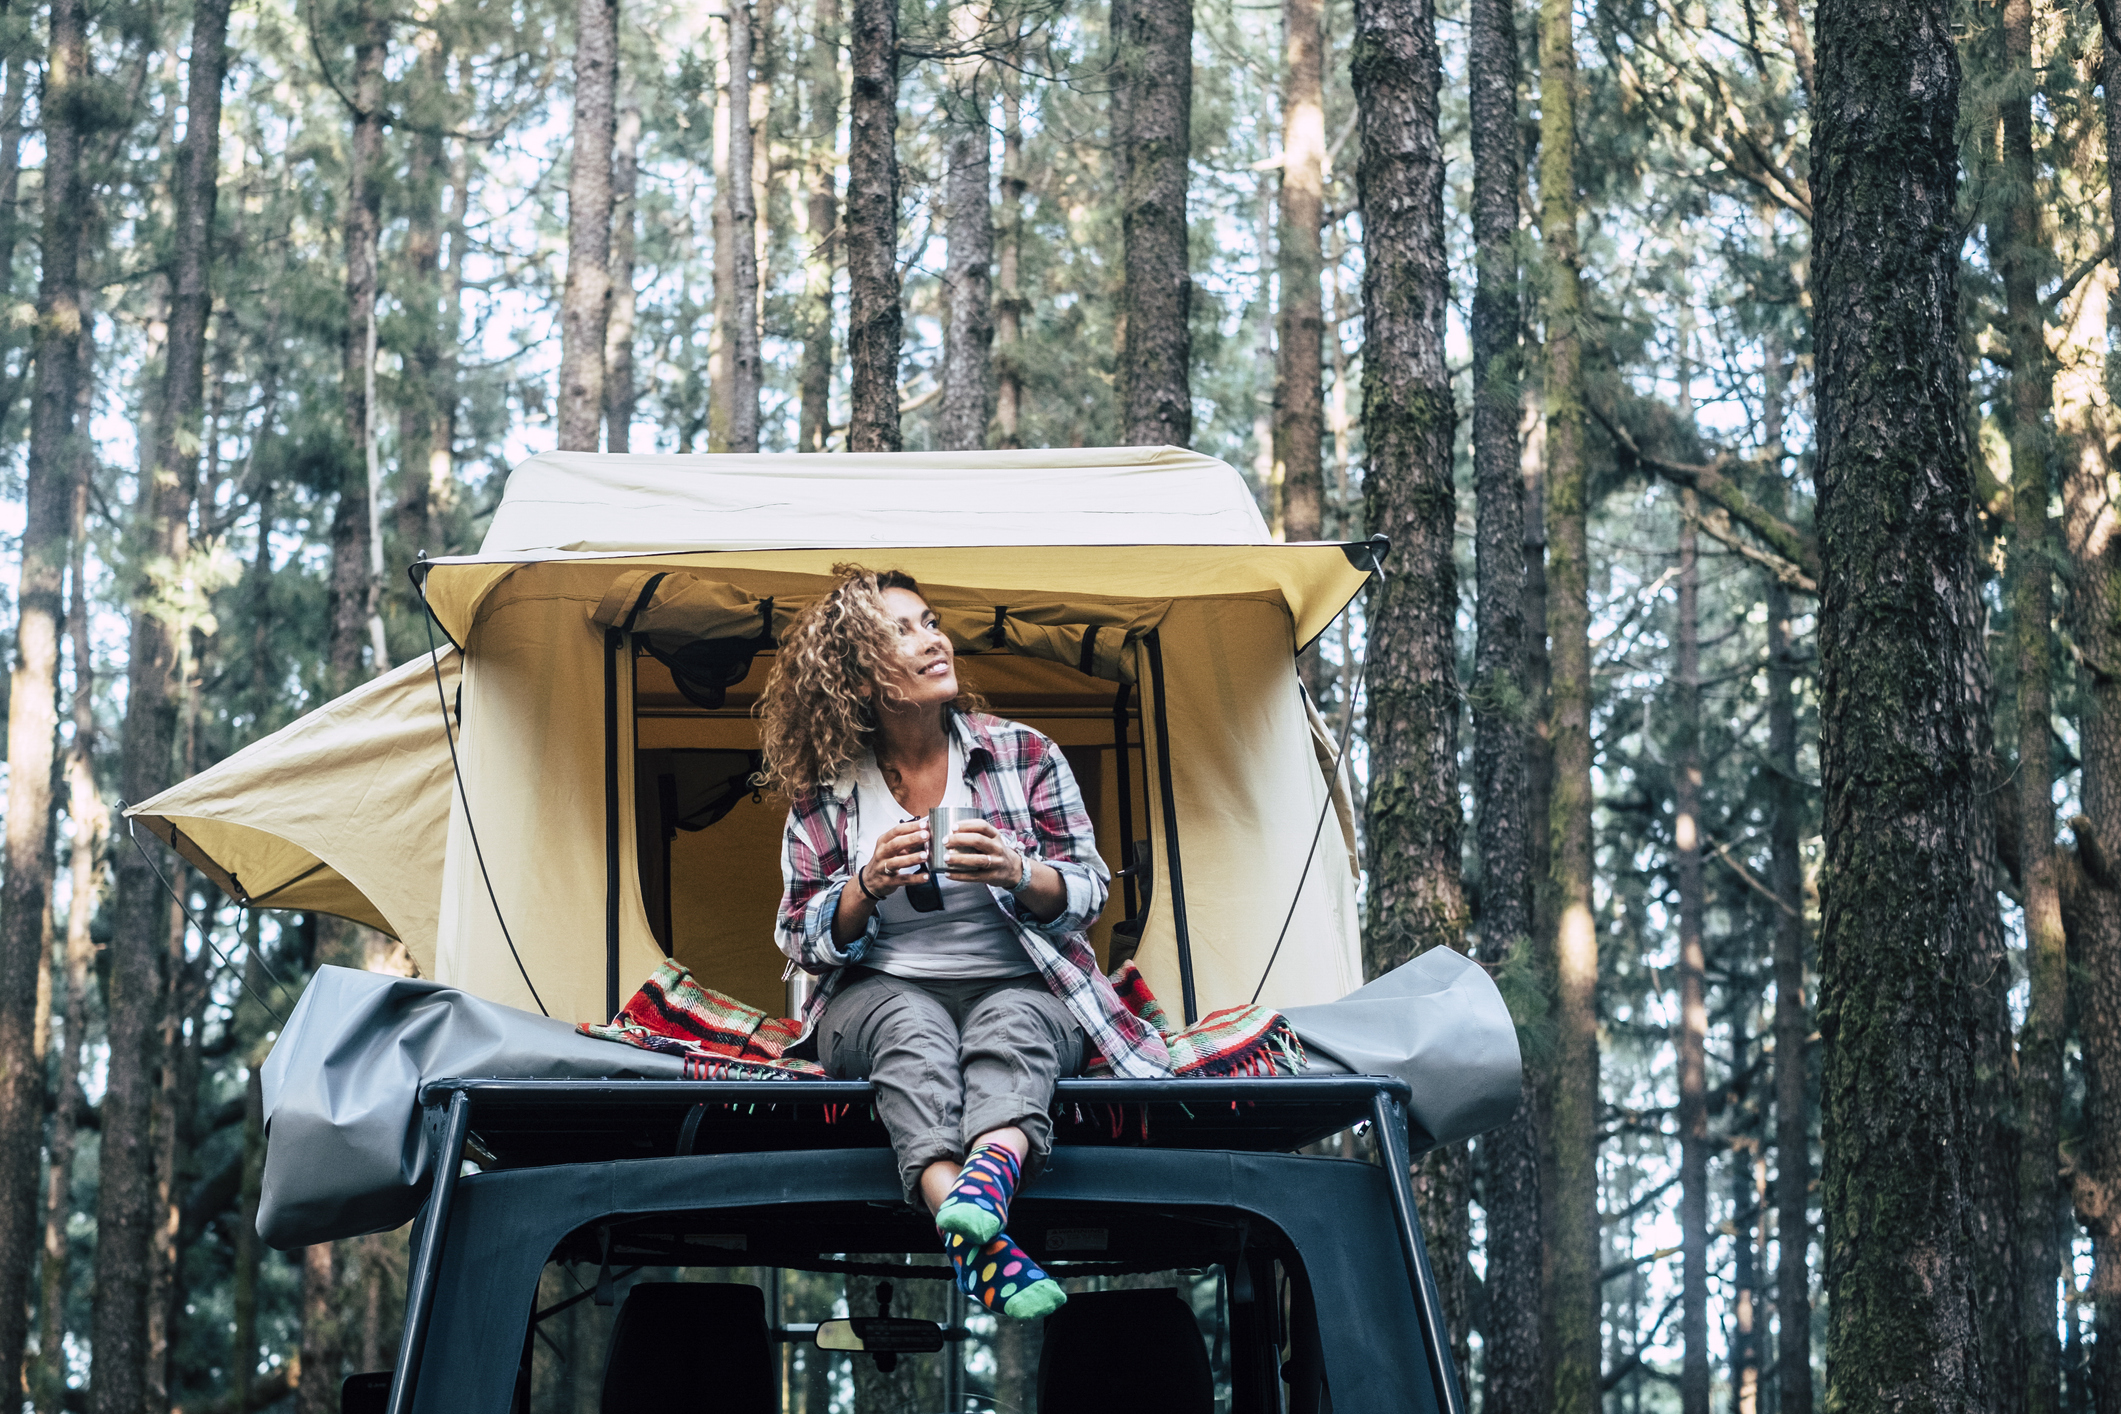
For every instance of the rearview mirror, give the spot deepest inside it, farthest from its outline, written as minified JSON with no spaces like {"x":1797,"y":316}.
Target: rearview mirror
{"x":881,"y":1335}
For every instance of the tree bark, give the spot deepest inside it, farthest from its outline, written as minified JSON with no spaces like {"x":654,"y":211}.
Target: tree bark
{"x":1501,"y":702}
{"x":1299,"y":398}
{"x":874,"y":318}
{"x":2091,"y":529}
{"x":1417,"y":901}
{"x":90,"y":827}
{"x":323,"y":1332}
{"x":1572,"y":965}
{"x":741,"y":340}
{"x":1152,"y":115}
{"x":354,"y":586}
{"x":25,"y":896}
{"x":585,"y":304}
{"x":2018,"y":250}
{"x":621,"y":394}
{"x":419,"y":393}
{"x":1916,"y":1045}
{"x":814,"y":427}
{"x":126,"y":1370}
{"x":1693,"y":965}
{"x":967,"y":355}
{"x":1793,"y":1023}
{"x":1010,"y":304}
{"x":243,"y":1281}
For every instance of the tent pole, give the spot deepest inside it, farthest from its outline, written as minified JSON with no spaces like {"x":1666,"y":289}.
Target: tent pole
{"x":611,"y":821}
{"x":1170,"y":799}
{"x":1388,"y":1121}
{"x":1126,"y":797}
{"x":427,"y":1259}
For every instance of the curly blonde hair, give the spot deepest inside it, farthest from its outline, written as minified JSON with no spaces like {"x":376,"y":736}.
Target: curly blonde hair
{"x":814,"y":719}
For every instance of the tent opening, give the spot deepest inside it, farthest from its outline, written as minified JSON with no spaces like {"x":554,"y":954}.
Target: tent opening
{"x":708,"y":841}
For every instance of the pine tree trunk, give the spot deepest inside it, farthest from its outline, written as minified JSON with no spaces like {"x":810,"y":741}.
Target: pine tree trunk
{"x":1572,"y":965}
{"x":353,"y":584}
{"x":1152,"y":115}
{"x":1503,"y":822}
{"x":1916,"y":1051}
{"x":90,"y":828}
{"x":741,"y":341}
{"x":874,"y":319}
{"x":1299,"y":418}
{"x":17,"y":76}
{"x":126,"y":1370}
{"x":1010,"y":304}
{"x":2091,"y":525}
{"x":2018,"y":249}
{"x":1793,"y":1022}
{"x":621,"y":394}
{"x":243,"y":1281}
{"x":1417,"y":901}
{"x":969,"y":338}
{"x":25,"y":896}
{"x":1692,"y":1041}
{"x":323,"y":1332}
{"x":814,"y":427}
{"x":585,"y":304}
{"x":425,"y":172}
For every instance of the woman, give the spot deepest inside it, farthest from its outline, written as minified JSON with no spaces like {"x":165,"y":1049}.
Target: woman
{"x":965,"y":1016}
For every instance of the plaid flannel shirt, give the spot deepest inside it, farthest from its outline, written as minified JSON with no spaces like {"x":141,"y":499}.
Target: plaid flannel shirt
{"x":1022,"y":785}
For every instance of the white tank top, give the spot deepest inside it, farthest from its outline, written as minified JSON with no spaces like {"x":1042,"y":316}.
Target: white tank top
{"x":970,"y":936}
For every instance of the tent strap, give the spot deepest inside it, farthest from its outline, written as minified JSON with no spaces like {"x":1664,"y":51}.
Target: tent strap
{"x":1126,"y":794}
{"x":613,"y":638}
{"x":1170,"y":802}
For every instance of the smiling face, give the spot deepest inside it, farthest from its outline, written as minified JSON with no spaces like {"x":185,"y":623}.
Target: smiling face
{"x":927,"y":665}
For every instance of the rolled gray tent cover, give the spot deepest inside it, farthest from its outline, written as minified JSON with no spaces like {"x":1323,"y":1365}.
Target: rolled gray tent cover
{"x":345,"y":1151}
{"x":1437,"y":1023}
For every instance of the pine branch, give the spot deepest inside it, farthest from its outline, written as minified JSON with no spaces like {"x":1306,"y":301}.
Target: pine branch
{"x":1786,"y":540}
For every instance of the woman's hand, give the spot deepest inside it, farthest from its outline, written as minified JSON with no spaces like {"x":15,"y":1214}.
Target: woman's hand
{"x":900,"y":847}
{"x":976,"y":853}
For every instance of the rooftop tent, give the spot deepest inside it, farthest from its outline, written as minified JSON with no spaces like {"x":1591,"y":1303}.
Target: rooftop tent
{"x":618,"y":625}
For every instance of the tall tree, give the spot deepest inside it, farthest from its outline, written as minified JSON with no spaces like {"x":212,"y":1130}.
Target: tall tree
{"x":1916,"y":1045}
{"x":1299,"y":398}
{"x":128,"y":1176}
{"x":1009,"y":302}
{"x":969,"y":338}
{"x":1152,"y":117}
{"x":739,"y":194}
{"x":354,"y":582}
{"x":585,"y":304}
{"x":1572,"y":964}
{"x":1501,"y":701}
{"x":1416,"y":899}
{"x":874,"y":318}
{"x":1793,"y":1023}
{"x":32,"y":723}
{"x":822,"y":75}
{"x":2092,"y":537}
{"x":621,"y":391}
{"x":2017,"y":246}
{"x":1693,"y":969}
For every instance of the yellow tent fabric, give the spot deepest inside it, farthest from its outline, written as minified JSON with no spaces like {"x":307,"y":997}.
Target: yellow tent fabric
{"x":1123,"y":596}
{"x":343,"y":811}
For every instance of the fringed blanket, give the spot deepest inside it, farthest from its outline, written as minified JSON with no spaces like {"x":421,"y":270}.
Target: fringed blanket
{"x":723,"y":1039}
{"x":1238,"y":1040}
{"x":719,"y":1037}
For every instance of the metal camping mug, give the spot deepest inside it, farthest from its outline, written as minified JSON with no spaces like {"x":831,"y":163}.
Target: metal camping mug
{"x":941,"y":821}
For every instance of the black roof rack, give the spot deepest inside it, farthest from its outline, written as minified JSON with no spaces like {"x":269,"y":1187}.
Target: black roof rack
{"x":529,"y":1123}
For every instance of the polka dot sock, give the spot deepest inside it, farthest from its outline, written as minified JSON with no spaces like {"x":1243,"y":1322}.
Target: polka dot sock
{"x":979,"y":1204}
{"x":1001,"y":1277}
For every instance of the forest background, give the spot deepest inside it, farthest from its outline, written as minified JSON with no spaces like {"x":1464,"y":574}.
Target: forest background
{"x":1785,"y":819}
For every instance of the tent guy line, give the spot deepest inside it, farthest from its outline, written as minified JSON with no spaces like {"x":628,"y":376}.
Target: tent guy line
{"x":1340,"y":759}
{"x":132,"y":832}
{"x":434,"y":661}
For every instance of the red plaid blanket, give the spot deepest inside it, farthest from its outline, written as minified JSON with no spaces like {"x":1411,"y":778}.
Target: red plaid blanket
{"x":723,"y":1039}
{"x":719,"y":1037}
